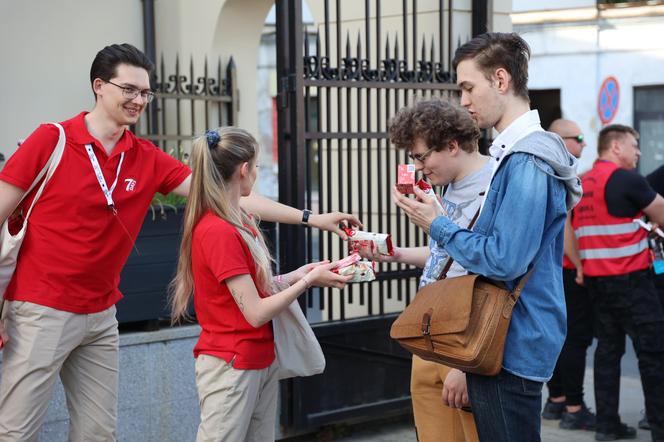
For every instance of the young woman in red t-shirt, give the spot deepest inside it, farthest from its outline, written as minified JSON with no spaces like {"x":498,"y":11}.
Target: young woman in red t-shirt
{"x":226,"y":266}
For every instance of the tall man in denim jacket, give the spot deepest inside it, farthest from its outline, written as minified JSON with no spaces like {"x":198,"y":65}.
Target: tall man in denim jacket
{"x":534,"y":184}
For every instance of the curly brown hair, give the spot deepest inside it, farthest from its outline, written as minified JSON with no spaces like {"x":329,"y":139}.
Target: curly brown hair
{"x":436,"y":122}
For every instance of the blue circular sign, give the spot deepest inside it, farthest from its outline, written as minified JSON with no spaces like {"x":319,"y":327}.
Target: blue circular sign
{"x":608,"y":100}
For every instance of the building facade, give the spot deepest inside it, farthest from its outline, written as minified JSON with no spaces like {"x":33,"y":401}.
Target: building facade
{"x":598,"y":63}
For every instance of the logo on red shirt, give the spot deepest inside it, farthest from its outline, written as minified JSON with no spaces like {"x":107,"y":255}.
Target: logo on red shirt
{"x":131,"y":184}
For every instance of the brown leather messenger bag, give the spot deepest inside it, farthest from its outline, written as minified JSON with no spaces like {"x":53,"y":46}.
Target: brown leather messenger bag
{"x":461,"y":322}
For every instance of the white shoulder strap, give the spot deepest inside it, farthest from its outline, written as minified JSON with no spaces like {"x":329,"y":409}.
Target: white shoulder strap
{"x":49,"y":167}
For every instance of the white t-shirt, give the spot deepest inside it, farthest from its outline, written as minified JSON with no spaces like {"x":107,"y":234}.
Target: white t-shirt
{"x":461,"y":201}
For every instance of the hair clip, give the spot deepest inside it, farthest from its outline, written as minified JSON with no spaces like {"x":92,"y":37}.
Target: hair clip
{"x":212,"y":138}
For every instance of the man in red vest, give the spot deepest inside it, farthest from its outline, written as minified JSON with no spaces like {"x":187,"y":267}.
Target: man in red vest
{"x":616,"y":265}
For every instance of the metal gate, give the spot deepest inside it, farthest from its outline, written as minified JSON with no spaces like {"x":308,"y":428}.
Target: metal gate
{"x":340,"y":81}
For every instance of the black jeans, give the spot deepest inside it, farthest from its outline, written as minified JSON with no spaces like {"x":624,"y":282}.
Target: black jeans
{"x":628,"y":304}
{"x":506,"y":407}
{"x":567,"y":379}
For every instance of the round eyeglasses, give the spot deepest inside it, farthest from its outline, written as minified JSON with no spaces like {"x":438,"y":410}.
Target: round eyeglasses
{"x":421,"y":157}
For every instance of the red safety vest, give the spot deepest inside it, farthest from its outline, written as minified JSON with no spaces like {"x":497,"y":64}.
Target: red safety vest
{"x":608,"y":245}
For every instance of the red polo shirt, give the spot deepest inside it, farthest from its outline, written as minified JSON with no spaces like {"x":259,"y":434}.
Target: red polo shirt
{"x":219,"y":252}
{"x":75,"y":247}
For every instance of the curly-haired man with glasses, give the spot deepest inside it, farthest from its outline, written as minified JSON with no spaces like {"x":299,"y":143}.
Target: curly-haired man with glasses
{"x":442,"y":140}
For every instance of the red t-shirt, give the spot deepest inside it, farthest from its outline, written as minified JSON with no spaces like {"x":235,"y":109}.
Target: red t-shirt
{"x":219,"y":252}
{"x":75,"y":247}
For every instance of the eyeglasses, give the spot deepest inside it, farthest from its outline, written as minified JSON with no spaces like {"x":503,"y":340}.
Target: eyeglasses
{"x":131,"y":92}
{"x":578,"y":138}
{"x":421,"y":157}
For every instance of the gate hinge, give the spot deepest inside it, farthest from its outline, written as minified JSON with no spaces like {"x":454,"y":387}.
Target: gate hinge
{"x":286,"y":86}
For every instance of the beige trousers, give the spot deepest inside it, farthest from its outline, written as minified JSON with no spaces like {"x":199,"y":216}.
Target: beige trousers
{"x":236,"y":405}
{"x":82,"y":349}
{"x":434,"y":421}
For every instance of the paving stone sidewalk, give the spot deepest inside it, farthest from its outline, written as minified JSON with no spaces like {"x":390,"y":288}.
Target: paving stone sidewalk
{"x":631,"y":404}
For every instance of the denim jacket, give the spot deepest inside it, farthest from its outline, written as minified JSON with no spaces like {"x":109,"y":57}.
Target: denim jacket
{"x":521,"y":223}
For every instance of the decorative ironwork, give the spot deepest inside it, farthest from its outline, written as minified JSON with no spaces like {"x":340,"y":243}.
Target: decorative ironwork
{"x":187,"y":103}
{"x":392,"y":68}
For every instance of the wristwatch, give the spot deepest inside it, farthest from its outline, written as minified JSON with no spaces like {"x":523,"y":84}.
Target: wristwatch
{"x":305,"y":216}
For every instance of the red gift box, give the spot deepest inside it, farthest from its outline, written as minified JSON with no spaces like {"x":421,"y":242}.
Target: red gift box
{"x":405,"y":178}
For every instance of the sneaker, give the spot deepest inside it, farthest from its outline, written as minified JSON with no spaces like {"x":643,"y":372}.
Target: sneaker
{"x":623,"y":432}
{"x":553,"y":410}
{"x":643,"y":423}
{"x":583,"y":419}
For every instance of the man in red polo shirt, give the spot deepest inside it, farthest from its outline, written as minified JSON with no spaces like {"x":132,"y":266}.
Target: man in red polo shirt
{"x":61,"y":314}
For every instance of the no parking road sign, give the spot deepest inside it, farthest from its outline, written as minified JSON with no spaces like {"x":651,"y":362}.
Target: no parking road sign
{"x":608,"y":100}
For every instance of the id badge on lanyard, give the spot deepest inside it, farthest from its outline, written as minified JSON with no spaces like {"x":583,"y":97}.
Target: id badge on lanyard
{"x":656,"y":245}
{"x":658,"y":249}
{"x":108,"y":193}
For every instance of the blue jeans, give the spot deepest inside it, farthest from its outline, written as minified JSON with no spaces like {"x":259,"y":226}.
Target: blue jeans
{"x":506,"y":407}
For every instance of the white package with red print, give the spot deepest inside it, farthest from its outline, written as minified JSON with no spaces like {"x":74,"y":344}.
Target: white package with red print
{"x":362,"y":271}
{"x":428,"y":190}
{"x":349,"y":260}
{"x":358,"y":239}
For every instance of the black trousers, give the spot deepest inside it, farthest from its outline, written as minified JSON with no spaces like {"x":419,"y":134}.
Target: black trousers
{"x":567,"y":379}
{"x":628,"y":305}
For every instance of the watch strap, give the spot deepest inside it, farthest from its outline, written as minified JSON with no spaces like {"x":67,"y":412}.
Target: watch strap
{"x":305,"y":216}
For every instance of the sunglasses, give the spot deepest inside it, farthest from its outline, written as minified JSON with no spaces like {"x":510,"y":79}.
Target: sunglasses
{"x":578,"y":138}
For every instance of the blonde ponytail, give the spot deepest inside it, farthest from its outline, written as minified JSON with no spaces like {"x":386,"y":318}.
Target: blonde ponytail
{"x":211,"y":168}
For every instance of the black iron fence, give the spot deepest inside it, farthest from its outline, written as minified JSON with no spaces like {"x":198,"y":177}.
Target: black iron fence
{"x":350,"y":81}
{"x":340,"y":82}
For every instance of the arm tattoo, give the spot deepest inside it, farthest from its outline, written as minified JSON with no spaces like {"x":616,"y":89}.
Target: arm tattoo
{"x":239,"y":299}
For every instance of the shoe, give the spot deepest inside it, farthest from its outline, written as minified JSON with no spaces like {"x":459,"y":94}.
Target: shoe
{"x":553,"y":410}
{"x":583,"y":419}
{"x":643,"y":423}
{"x":623,"y":432}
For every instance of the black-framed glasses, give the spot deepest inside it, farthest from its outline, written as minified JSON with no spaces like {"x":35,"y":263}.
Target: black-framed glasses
{"x":578,"y":138}
{"x":421,"y":157}
{"x":131,"y":92}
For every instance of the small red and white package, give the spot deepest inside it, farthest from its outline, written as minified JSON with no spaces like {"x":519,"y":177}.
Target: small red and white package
{"x":362,"y":271}
{"x":359,"y":239}
{"x":405,"y":178}
{"x":347,"y":261}
{"x":428,"y":190}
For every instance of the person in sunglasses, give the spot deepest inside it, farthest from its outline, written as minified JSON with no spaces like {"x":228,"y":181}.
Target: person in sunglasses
{"x":565,"y":400}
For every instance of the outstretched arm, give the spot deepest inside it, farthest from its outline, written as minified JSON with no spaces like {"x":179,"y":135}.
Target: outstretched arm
{"x":270,"y":210}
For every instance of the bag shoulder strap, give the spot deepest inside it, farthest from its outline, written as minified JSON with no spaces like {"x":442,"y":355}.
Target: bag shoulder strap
{"x":49,"y":168}
{"x":448,"y":265}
